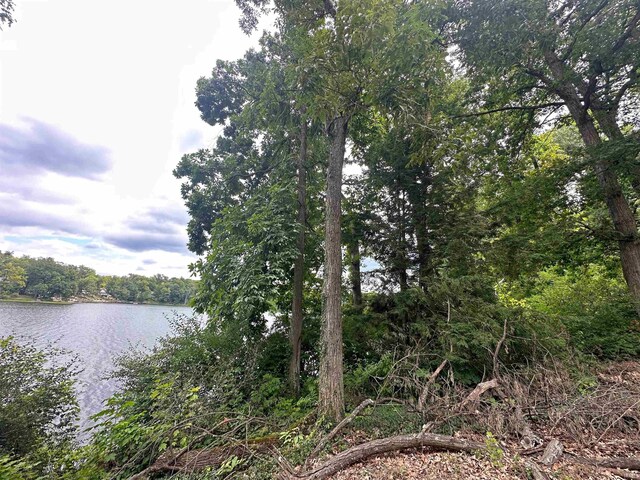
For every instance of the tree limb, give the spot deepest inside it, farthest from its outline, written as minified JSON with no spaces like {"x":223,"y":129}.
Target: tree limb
{"x":511,"y":108}
{"x":377,"y":447}
{"x":432,"y":378}
{"x":346,"y":421}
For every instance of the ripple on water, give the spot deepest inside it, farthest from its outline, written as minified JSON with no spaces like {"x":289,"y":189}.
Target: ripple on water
{"x":95,"y":332}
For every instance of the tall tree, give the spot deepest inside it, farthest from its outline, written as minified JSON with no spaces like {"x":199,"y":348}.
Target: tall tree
{"x":297,"y":307}
{"x":582,"y":56}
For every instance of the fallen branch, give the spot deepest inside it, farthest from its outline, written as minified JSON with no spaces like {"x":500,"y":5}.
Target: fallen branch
{"x":346,"y":421}
{"x":624,"y":474}
{"x":432,"y":378}
{"x":552,"y":453}
{"x":532,"y":450}
{"x":496,"y":352}
{"x":536,"y":473}
{"x":629,"y":463}
{"x":377,"y":447}
{"x":480,"y":389}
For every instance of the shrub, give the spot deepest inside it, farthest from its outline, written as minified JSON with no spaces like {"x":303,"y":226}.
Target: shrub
{"x":594,"y":306}
{"x":38,"y":410}
{"x":37,"y":398}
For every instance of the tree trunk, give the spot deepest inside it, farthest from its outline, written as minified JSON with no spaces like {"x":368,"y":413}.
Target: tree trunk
{"x":624,"y":220}
{"x":609,"y":125}
{"x":330,"y":381}
{"x":353,"y":254}
{"x":620,"y":211}
{"x":422,"y":239}
{"x":298,"y":267}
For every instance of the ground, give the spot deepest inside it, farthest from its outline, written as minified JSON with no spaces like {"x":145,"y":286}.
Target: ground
{"x":619,"y":384}
{"x":460,"y":466}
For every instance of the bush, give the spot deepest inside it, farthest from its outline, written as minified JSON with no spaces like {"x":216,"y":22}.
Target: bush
{"x":38,"y":409}
{"x":37,"y":398}
{"x":594,"y":306}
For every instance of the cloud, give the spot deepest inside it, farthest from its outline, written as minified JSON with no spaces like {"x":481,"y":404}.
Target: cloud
{"x":170,"y":213}
{"x":151,"y":225}
{"x":14,"y":213}
{"x":28,"y":189}
{"x":149,"y":261}
{"x":41,"y":147}
{"x":137,"y":241}
{"x":167,"y":219}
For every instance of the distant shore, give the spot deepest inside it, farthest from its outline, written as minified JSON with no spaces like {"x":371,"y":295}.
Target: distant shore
{"x":74,"y":300}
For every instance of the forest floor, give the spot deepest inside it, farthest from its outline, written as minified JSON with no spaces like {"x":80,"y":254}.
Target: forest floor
{"x":427,"y":464}
{"x":430,"y":464}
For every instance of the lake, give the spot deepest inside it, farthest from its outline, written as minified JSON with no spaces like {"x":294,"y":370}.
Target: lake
{"x":96,"y":332}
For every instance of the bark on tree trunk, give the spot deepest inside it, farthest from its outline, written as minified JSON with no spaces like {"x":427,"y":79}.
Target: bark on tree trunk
{"x":298,"y":268}
{"x":422,"y":239}
{"x":622,"y":215}
{"x":353,"y":253}
{"x":330,"y":381}
{"x":609,"y":125}
{"x":620,"y":211}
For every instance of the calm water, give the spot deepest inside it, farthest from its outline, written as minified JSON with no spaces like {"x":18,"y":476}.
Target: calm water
{"x":96,"y":332}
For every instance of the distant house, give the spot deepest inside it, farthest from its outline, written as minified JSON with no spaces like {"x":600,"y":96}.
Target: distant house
{"x":103,"y":293}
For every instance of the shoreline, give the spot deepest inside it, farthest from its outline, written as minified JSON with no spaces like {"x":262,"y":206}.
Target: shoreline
{"x":79,"y":301}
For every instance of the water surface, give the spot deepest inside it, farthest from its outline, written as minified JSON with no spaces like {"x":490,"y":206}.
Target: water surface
{"x":96,"y":332}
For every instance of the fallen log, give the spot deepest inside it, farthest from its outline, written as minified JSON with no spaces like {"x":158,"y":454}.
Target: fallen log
{"x":626,"y":474}
{"x":386,"y":445}
{"x":198,"y":459}
{"x":628,"y":463}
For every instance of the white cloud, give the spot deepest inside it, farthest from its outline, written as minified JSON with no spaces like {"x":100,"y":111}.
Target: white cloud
{"x":115,"y":77}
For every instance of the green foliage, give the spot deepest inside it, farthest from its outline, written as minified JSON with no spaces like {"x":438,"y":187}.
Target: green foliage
{"x":184,"y":386}
{"x":494,"y":451}
{"x":13,"y":469}
{"x":479,"y":230}
{"x":45,"y":278}
{"x":37,"y":399}
{"x":388,"y":420}
{"x":6,"y":13}
{"x":38,"y":411}
{"x":594,"y":306}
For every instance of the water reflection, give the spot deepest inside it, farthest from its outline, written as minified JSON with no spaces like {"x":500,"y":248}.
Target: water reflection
{"x":97,"y":333}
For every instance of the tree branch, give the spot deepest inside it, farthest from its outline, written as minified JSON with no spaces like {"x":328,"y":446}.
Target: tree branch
{"x":512,"y":108}
{"x":633,"y":23}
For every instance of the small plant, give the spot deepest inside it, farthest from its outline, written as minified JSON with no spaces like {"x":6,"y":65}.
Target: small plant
{"x":494,"y":452}
{"x":586,"y":385}
{"x":229,"y":465}
{"x":293,"y":437}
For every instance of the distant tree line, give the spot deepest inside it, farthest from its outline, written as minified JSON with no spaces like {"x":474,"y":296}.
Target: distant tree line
{"x":46,"y":278}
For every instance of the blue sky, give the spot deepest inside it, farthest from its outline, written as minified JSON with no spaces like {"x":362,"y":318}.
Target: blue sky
{"x":96,"y":108}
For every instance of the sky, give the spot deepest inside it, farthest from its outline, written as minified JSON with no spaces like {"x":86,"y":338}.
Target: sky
{"x":96,"y":109}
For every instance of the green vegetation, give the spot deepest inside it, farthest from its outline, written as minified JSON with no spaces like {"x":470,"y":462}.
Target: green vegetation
{"x":490,"y":230}
{"x":37,"y":410}
{"x":26,"y":279}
